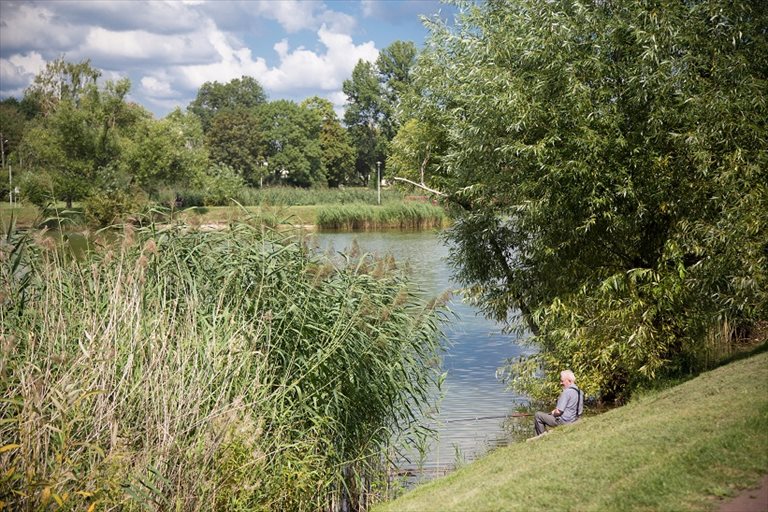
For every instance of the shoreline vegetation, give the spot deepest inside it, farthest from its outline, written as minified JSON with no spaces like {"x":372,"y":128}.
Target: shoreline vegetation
{"x":169,"y":368}
{"x":345,"y":209}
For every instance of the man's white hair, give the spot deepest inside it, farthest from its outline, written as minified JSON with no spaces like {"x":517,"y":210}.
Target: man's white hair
{"x":568,"y":374}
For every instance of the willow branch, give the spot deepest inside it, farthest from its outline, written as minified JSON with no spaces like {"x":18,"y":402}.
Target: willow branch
{"x":497,"y":251}
{"x":422,"y":187}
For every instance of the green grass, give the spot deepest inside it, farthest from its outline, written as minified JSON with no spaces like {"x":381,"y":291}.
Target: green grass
{"x":678,"y":450}
{"x":25,"y":215}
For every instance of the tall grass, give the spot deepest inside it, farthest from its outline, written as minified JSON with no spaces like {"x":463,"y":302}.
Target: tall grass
{"x":279,"y":196}
{"x":180,"y":370}
{"x":403,"y":215}
{"x":292,"y":196}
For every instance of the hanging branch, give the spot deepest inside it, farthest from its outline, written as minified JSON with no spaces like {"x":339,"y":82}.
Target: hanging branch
{"x":422,"y":186}
{"x":497,"y":250}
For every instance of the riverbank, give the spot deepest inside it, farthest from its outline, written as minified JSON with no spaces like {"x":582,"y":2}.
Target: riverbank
{"x":690,"y":447}
{"x":392,"y":215}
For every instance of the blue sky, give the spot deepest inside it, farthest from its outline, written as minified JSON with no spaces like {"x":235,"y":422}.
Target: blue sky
{"x":294,"y":48}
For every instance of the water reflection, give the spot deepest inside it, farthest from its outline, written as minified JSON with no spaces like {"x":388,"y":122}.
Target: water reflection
{"x":476,"y":349}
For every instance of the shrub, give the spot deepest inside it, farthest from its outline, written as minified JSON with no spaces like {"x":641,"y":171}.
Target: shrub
{"x":37,"y":188}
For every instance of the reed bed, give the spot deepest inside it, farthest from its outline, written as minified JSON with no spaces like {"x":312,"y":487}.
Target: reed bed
{"x":294,"y":196}
{"x":184,"y":370}
{"x":402,"y":215}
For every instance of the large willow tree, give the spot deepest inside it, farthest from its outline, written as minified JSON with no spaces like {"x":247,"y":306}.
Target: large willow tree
{"x":609,"y":158}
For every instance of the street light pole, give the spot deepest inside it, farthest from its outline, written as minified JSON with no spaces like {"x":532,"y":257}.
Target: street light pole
{"x":378,"y":180}
{"x":10,"y":177}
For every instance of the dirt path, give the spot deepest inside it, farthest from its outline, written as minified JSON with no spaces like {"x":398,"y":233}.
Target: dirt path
{"x":750,"y":500}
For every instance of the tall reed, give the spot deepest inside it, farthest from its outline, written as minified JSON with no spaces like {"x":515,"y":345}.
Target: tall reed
{"x":402,"y":215}
{"x":180,"y":370}
{"x":294,"y":196}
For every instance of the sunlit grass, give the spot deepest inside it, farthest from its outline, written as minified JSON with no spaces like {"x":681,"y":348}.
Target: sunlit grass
{"x":678,"y":449}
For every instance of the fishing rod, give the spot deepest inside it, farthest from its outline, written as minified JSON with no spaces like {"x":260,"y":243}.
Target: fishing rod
{"x":479,"y":418}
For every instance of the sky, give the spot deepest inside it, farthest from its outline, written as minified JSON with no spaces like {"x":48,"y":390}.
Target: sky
{"x":168,"y":48}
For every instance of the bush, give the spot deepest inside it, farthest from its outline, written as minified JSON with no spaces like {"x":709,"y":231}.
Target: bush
{"x":220,"y":185}
{"x":114,"y":207}
{"x":37,"y":188}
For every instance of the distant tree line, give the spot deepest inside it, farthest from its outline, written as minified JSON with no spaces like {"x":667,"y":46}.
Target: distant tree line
{"x":73,"y":138}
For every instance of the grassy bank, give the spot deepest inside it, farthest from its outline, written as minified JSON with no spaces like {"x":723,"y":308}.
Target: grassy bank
{"x":394,"y":213}
{"x":678,"y":449}
{"x":178,"y":369}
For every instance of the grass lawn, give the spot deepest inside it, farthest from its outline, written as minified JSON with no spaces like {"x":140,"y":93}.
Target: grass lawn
{"x":24,"y":215}
{"x":27,"y":215}
{"x":223,"y":214}
{"x":679,"y":449}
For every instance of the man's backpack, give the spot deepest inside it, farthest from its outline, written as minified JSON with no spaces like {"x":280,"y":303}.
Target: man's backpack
{"x":579,"y":403}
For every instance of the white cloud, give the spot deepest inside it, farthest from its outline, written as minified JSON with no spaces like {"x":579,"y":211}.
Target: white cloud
{"x":298,"y":68}
{"x":339,"y":100}
{"x":293,"y":15}
{"x":157,"y":87}
{"x":159,"y":17}
{"x":18,"y":71}
{"x":170,"y":48}
{"x":301,"y":68}
{"x":142,"y":45}
{"x":26,"y":27}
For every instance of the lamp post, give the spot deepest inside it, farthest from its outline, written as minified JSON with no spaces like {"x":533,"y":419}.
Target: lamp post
{"x":378,"y":180}
{"x":3,"y":142}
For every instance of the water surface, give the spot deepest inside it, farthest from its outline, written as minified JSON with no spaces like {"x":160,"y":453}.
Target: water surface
{"x":476,"y":349}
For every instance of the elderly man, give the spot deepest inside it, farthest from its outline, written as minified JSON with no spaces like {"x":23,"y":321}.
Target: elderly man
{"x":570,"y":405}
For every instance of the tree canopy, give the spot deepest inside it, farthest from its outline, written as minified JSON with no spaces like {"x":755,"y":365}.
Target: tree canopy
{"x":609,"y":161}
{"x":214,"y":97}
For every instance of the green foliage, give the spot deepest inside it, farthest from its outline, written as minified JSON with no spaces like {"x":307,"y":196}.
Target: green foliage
{"x":294,"y":154}
{"x":61,"y":81}
{"x":364,"y":116}
{"x":233,"y":139}
{"x":105,"y":208}
{"x":374,"y":93}
{"x":37,"y":188}
{"x":337,"y":153}
{"x":174,"y":368}
{"x":12,"y":126}
{"x":79,"y":136}
{"x":415,"y":152}
{"x":395,"y":65}
{"x":220,"y":184}
{"x":165,"y":152}
{"x":610,"y":159}
{"x":287,"y":196}
{"x":214,"y":97}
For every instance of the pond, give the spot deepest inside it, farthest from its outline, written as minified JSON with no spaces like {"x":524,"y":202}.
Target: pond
{"x":476,"y":349}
